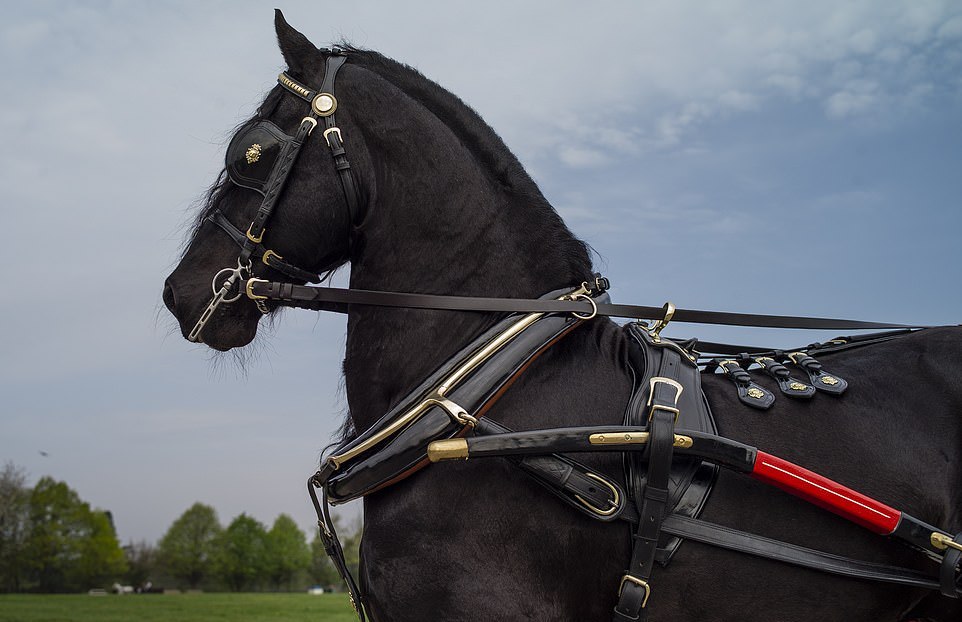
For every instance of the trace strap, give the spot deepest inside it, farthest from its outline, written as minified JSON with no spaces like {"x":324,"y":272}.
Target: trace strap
{"x":337,"y":299}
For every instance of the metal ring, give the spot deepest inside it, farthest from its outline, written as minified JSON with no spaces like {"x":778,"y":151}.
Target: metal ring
{"x":594,"y":307}
{"x":466,"y":419}
{"x":235,"y":273}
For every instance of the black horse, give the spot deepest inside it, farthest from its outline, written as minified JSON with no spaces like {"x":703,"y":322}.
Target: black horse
{"x":447,"y":209}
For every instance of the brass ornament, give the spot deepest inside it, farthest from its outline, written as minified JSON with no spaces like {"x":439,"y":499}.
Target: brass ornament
{"x":253,"y":153}
{"x":829,"y":380}
{"x":797,"y":386}
{"x":324,"y":105}
{"x":756,"y":394}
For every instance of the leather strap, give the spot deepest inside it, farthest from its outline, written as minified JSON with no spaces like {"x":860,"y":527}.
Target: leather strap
{"x":272,"y":193}
{"x":334,"y":299}
{"x":267,"y":256}
{"x":948,"y":571}
{"x":588,"y":491}
{"x":332,"y":544}
{"x":734,"y":540}
{"x":635,"y":589}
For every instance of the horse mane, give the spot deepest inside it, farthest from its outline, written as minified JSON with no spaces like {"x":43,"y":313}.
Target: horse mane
{"x":487,"y":148}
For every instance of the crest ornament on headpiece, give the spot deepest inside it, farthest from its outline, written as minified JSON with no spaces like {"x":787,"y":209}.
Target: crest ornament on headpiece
{"x":253,"y":153}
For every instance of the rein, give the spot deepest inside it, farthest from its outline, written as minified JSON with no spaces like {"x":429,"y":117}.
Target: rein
{"x":338,"y":300}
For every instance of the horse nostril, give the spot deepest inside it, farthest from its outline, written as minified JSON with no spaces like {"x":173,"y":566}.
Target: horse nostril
{"x":169,"y":299}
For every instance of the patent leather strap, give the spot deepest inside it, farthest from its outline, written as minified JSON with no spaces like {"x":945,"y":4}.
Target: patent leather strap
{"x":336,"y":300}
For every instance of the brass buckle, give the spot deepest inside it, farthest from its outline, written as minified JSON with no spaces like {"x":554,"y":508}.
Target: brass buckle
{"x":651,"y":395}
{"x":250,"y":289}
{"x":267,"y":255}
{"x":250,"y":236}
{"x":643,"y":584}
{"x":615,"y":501}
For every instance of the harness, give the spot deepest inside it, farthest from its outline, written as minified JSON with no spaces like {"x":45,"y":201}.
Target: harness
{"x":668,"y":437}
{"x":261,"y":157}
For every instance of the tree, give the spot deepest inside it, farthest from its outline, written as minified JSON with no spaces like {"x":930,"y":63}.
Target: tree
{"x":69,"y":547}
{"x":242,"y":553}
{"x":14,"y":522}
{"x":188,"y":549}
{"x":287,"y":552}
{"x":141,"y":563}
{"x":322,"y":571}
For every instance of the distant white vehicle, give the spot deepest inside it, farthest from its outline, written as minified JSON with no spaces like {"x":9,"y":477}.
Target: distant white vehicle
{"x":317,"y":589}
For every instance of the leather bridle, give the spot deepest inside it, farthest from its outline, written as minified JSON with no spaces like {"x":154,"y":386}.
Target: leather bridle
{"x":226,"y":284}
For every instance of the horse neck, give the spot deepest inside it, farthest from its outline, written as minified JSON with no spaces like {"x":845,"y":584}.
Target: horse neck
{"x":441,"y":222}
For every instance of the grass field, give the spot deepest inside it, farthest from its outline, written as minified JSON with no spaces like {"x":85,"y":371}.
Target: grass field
{"x":176,"y":607}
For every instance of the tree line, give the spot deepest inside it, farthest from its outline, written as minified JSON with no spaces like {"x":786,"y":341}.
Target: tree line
{"x":53,"y":541}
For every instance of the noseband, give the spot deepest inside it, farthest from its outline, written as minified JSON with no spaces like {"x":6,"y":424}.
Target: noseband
{"x":261,"y":158}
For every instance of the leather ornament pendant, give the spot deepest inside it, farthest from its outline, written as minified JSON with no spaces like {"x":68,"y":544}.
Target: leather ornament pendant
{"x":821,"y":380}
{"x":790,"y":386}
{"x":749,"y":392}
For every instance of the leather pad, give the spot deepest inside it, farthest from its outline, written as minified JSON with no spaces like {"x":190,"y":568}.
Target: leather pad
{"x":691,"y":479}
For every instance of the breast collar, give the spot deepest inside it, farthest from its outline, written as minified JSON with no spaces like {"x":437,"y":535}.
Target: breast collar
{"x":226,"y":282}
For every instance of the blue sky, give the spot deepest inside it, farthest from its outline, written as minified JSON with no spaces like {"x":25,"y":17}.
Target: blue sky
{"x":794,"y":158}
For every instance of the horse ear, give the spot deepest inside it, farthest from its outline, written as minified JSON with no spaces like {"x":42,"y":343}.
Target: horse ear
{"x":295,"y":47}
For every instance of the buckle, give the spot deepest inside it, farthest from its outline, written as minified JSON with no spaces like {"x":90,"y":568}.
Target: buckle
{"x":333,"y":130}
{"x":266,"y":258}
{"x":679,"y":389}
{"x":250,"y":289}
{"x":252,"y":237}
{"x":615,"y":501}
{"x":642,"y":584}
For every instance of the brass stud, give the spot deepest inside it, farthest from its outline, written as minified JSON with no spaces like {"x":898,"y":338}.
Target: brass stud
{"x":829,"y":380}
{"x":756,"y":394}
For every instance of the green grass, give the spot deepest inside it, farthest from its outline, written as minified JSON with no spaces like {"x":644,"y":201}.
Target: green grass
{"x":175,"y":608}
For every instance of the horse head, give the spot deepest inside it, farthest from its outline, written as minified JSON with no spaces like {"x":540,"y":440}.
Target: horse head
{"x":308,"y":233}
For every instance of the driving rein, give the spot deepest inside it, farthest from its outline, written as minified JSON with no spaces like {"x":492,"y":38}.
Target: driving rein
{"x":672,"y":448}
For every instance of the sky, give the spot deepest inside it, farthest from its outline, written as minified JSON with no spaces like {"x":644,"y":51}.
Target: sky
{"x":778,"y":157}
